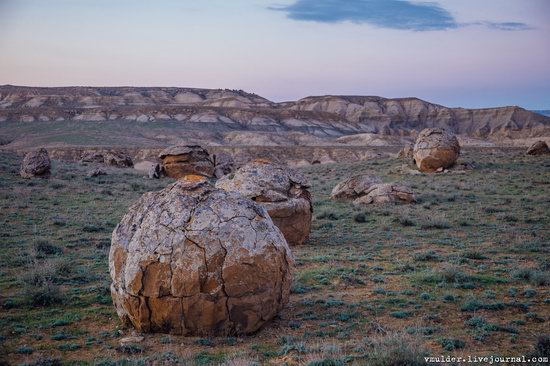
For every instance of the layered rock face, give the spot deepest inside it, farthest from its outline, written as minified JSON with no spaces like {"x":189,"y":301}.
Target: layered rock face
{"x":435,"y":149}
{"x":538,"y":148}
{"x":367,"y":189}
{"x":179,"y":161}
{"x":36,"y":164}
{"x":282,"y":191}
{"x":195,"y":260}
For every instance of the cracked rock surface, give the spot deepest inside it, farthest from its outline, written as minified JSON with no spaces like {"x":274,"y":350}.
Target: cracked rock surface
{"x":36,"y":164}
{"x":366,"y":189}
{"x":282,"y":191}
{"x":179,"y":161}
{"x":435,"y":148}
{"x":196,"y":260}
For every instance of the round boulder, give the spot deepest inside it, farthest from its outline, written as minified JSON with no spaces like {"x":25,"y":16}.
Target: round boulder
{"x":36,"y":164}
{"x":435,"y":148}
{"x":196,"y":260}
{"x":354,"y":187}
{"x":539,"y":148}
{"x":118,"y":159}
{"x":282,"y":191}
{"x":386,"y":193}
{"x":179,"y":161}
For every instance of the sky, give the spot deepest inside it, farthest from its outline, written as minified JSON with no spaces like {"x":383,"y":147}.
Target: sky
{"x":468,"y":53}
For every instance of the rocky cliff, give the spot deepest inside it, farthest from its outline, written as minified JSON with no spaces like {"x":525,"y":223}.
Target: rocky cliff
{"x":227,"y":111}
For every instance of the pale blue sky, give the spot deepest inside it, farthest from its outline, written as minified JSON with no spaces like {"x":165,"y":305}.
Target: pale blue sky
{"x":471,"y":53}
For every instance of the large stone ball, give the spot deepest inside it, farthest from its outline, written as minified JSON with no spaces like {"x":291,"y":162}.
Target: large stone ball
{"x":282,"y":191}
{"x":435,"y":148}
{"x":196,"y":260}
{"x":36,"y":164}
{"x":179,"y":161}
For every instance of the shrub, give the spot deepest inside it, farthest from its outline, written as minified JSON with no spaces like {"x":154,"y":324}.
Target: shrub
{"x":451,"y":344}
{"x":44,"y":295}
{"x":360,"y":218}
{"x":396,"y":349}
{"x":46,"y":248}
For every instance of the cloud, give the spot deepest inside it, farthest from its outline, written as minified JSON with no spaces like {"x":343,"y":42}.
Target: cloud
{"x":394,"y":14}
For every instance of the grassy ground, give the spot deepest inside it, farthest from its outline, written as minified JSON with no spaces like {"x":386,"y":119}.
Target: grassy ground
{"x":466,"y":271}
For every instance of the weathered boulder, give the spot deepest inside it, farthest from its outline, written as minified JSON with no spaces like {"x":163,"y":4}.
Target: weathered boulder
{"x":435,"y":148}
{"x":117,"y":159}
{"x":179,"y":161}
{"x":156,"y":172}
{"x":223,"y":164}
{"x":365,"y":189}
{"x":386,"y":193}
{"x":354,"y":187}
{"x":196,"y":260}
{"x":36,"y":164}
{"x":282,"y":191}
{"x":96,"y":172}
{"x":538,"y":148}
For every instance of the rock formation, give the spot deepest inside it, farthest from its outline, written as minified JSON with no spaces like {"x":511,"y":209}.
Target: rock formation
{"x":196,"y":260}
{"x":96,"y":172}
{"x":538,"y":148}
{"x":223,"y":164}
{"x":354,"y":187}
{"x":435,"y":148}
{"x":36,"y":164}
{"x":117,"y":159}
{"x":179,"y":161}
{"x":156,"y":172}
{"x":406,"y":152}
{"x":281,"y":190}
{"x":366,"y":189}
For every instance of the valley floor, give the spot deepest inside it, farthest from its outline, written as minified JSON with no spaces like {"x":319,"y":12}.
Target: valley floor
{"x":465,"y":271}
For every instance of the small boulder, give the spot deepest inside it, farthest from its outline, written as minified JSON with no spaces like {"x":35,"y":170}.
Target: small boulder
{"x":354,"y":187}
{"x":36,"y":164}
{"x":192,"y":259}
{"x":282,"y":191}
{"x":539,"y":148}
{"x":92,"y":157}
{"x":366,"y":189}
{"x":118,"y":159}
{"x":386,"y":193}
{"x":406,"y":152}
{"x":96,"y":172}
{"x":179,"y":161}
{"x":156,"y":172}
{"x":223,"y":164}
{"x":435,"y":148}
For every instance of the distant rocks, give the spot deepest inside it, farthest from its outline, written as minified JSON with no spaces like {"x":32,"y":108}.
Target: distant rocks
{"x":36,"y":164}
{"x":179,"y":161}
{"x":282,"y":191}
{"x":196,"y":260}
{"x":96,"y":172}
{"x":223,"y":164}
{"x":406,"y":152}
{"x":539,"y":148}
{"x":435,"y":149}
{"x":117,"y":159}
{"x":367,"y":189}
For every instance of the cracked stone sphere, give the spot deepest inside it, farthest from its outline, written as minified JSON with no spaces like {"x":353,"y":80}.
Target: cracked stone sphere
{"x":434,"y":149}
{"x":196,"y":260}
{"x":282,"y":191}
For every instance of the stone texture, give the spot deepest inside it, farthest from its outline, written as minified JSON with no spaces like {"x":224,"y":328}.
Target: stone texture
{"x":36,"y":164}
{"x":406,"y":152}
{"x":223,"y":164}
{"x":366,"y":189}
{"x":435,"y":148}
{"x":196,"y":260}
{"x":354,"y":187}
{"x":281,"y":190}
{"x":179,"y":161}
{"x":538,"y":148}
